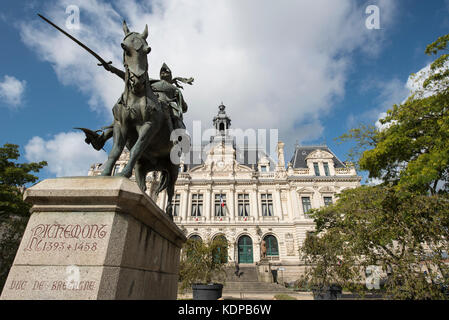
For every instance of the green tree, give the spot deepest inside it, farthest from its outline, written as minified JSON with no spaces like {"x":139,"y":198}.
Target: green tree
{"x":404,"y":233}
{"x":402,"y":225}
{"x":411,"y":149}
{"x":14,"y":212}
{"x":203,"y":262}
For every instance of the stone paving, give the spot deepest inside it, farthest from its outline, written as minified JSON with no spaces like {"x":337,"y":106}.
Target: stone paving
{"x":254,"y":296}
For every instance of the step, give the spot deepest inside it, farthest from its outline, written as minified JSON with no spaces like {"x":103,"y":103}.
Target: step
{"x":245,"y":274}
{"x":254,"y":287}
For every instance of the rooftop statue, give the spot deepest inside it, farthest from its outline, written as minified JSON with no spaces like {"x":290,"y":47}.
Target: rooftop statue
{"x":145,"y":116}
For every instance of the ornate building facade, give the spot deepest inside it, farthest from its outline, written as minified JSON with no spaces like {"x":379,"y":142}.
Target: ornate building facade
{"x":226,"y":196}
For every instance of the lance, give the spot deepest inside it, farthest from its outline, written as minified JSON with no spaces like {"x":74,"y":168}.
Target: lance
{"x":102,"y":62}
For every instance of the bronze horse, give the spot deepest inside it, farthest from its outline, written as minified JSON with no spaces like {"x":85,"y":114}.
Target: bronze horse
{"x":140,"y":121}
{"x":141,"y":118}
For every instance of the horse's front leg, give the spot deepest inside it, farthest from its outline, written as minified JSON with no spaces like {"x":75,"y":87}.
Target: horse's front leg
{"x":119,"y":135}
{"x":146,"y":132}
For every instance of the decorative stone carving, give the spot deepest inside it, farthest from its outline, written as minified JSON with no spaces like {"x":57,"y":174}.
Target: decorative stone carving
{"x":290,"y":244}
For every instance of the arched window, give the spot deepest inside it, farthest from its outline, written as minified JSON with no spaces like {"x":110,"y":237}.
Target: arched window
{"x":195,"y":237}
{"x":272,"y":246}
{"x":191,"y":246}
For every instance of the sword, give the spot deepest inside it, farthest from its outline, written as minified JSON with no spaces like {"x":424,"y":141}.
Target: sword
{"x":77,"y":41}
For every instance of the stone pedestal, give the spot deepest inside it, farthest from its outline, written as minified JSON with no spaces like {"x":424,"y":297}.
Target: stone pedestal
{"x":264,"y":270}
{"x":95,"y":238}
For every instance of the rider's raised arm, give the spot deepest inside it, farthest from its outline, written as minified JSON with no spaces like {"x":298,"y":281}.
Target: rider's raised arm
{"x":114,"y":70}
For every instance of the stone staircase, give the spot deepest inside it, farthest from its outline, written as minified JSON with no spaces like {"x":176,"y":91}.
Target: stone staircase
{"x":249,"y":283}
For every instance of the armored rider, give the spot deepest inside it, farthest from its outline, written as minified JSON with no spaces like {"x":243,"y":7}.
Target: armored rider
{"x":169,"y":94}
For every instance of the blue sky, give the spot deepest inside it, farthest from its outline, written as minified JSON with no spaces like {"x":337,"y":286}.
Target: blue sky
{"x":309,"y":68}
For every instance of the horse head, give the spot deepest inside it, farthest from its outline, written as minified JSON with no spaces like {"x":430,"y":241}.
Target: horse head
{"x":135,"y":50}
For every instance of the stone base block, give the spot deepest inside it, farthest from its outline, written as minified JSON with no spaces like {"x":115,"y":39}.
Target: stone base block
{"x":95,"y":238}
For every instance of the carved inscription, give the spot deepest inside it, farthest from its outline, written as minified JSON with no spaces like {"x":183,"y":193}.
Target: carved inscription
{"x":61,"y":237}
{"x":21,"y":285}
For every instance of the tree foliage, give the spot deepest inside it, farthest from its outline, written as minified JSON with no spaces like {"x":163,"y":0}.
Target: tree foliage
{"x":203,"y":261}
{"x":14,"y":212}
{"x":401,"y":225}
{"x":410,"y":149}
{"x":404,"y":233}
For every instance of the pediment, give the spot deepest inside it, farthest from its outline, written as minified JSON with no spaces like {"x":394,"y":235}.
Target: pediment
{"x":327,"y":189}
{"x":319,"y":154}
{"x":241,"y":168}
{"x":304,"y":190}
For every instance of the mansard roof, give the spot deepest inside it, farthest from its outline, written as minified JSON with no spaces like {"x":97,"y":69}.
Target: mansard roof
{"x":301,"y":152}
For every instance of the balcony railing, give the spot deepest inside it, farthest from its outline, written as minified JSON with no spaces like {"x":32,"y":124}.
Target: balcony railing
{"x":345,"y":171}
{"x":196,"y":219}
{"x":270,"y":218}
{"x":221,"y":219}
{"x":245,"y":219}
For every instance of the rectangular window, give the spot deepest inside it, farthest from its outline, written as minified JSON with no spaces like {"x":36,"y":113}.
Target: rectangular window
{"x":176,"y":204}
{"x":317,"y":169}
{"x":327,"y":201}
{"x":263,"y":168}
{"x":197,"y":205}
{"x":267,"y":204}
{"x":326,"y":169}
{"x":220,"y":205}
{"x":306,"y":204}
{"x":117,"y":169}
{"x":243,"y":200}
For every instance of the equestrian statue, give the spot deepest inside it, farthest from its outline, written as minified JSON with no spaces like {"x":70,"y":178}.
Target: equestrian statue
{"x":146,"y":116}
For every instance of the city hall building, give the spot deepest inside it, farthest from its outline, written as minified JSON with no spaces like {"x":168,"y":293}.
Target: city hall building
{"x":222,"y":194}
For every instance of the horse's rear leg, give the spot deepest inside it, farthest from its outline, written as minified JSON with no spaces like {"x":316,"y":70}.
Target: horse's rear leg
{"x":140,"y":171}
{"x":117,"y":148}
{"x":172,"y":177}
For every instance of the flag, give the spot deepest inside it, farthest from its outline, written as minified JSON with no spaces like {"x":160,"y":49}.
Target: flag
{"x":222,"y":204}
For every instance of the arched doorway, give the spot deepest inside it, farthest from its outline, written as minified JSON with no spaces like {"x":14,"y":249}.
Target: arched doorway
{"x":245,"y":250}
{"x":272,"y":246}
{"x":218,"y":254}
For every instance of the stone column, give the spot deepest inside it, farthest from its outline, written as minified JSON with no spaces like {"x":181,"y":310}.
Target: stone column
{"x":208,"y":203}
{"x":277,"y":200}
{"x":91,"y":238}
{"x":184,"y":201}
{"x":255,"y":204}
{"x":290,"y":210}
{"x":316,"y":198}
{"x":295,"y":204}
{"x":230,"y":202}
{"x":256,"y":246}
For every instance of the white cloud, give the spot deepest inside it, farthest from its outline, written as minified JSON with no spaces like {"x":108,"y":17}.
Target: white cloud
{"x":274,"y":64}
{"x":391,"y":92}
{"x":12,"y":91}
{"x":374,"y":181}
{"x":66,"y":153}
{"x":396,"y":92}
{"x":415,"y":82}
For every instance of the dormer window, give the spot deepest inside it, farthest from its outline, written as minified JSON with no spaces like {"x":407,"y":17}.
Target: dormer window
{"x":316,"y":168}
{"x":326,"y":169}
